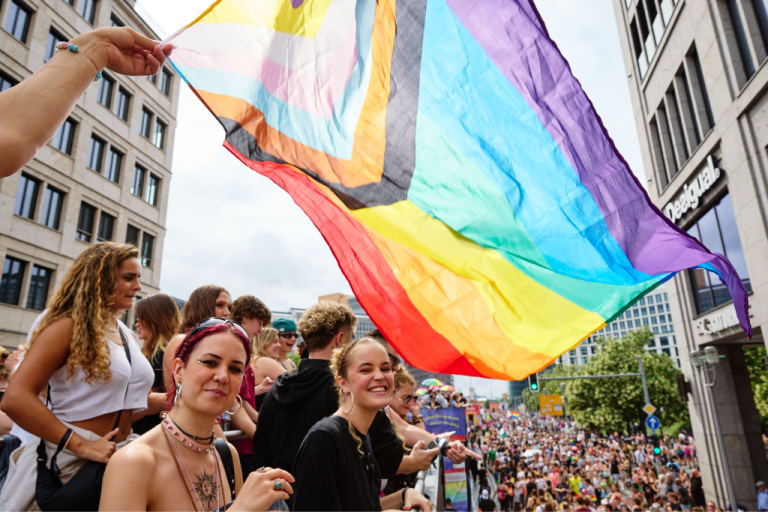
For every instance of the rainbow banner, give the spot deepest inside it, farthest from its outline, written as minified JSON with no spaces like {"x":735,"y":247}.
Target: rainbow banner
{"x":455,"y":167}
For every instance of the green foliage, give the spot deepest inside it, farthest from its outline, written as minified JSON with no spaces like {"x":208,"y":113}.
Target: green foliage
{"x":295,"y":358}
{"x":758,"y":378}
{"x":615,"y":404}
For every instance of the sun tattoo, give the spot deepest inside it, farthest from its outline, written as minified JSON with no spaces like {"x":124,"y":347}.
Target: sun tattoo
{"x":206,"y":489}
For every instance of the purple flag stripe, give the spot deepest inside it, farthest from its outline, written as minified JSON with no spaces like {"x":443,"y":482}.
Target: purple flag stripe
{"x":515,"y":39}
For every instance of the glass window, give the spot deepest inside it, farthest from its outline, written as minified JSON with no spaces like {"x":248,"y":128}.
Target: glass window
{"x":165,"y":82}
{"x":113,"y":165}
{"x":663,"y":319}
{"x":652,"y":310}
{"x":26,"y":197}
{"x":669,"y":317}
{"x":18,"y":20}
{"x":132,"y":235}
{"x":152,"y":189}
{"x":147,"y":244}
{"x":650,"y":299}
{"x":664,"y":328}
{"x":106,"y":85}
{"x":671,"y":328}
{"x":653,"y":320}
{"x":159,"y":134}
{"x":667,"y":307}
{"x":655,"y":330}
{"x":761,"y":12}
{"x":38,"y":287}
{"x":584,"y":351}
{"x":106,"y":227}
{"x":652,"y":343}
{"x":635,"y":313}
{"x":717,"y":230}
{"x":153,"y":79}
{"x":658,"y":298}
{"x":88,"y":10}
{"x":115,"y":22}
{"x":138,"y":181}
{"x":623,"y":325}
{"x":10,"y":284}
{"x":641,"y":302}
{"x":6,"y":82}
{"x":664,"y":341}
{"x":146,"y":123}
{"x":741,"y":38}
{"x":123,"y":102}
{"x":645,"y":321}
{"x":52,"y":207}
{"x":573,"y":361}
{"x":644,"y":311}
{"x":85,"y":222}
{"x":95,"y":153}
{"x":614,"y":326}
{"x":64,"y":137}
{"x":54,"y":38}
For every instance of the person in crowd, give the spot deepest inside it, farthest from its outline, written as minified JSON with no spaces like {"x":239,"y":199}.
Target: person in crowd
{"x":455,"y":403}
{"x":91,"y":367}
{"x":252,"y":314}
{"x":442,"y":398}
{"x":762,"y":496}
{"x":265,"y":365}
{"x":486,"y":504}
{"x":431,"y":401}
{"x":404,"y":399}
{"x":697,"y":489}
{"x":32,"y":111}
{"x":157,"y":318}
{"x":178,"y":464}
{"x":335,"y":466}
{"x":288,"y":335}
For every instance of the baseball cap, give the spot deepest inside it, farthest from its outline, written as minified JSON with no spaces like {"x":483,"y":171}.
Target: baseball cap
{"x":284,"y":325}
{"x":760,"y":484}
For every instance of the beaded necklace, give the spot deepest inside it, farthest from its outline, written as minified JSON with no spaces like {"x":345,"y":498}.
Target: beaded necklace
{"x":179,"y":434}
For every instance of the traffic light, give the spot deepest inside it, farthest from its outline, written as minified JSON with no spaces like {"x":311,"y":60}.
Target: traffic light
{"x":654,"y":439}
{"x":533,"y":382}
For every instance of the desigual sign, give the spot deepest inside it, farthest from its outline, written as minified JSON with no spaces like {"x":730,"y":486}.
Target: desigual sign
{"x":692,"y":192}
{"x":718,"y":321}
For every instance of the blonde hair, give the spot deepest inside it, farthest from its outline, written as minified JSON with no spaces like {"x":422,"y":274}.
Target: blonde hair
{"x":260,"y":342}
{"x":340,"y":368}
{"x":322,"y":321}
{"x":403,"y":377}
{"x":87,"y":296}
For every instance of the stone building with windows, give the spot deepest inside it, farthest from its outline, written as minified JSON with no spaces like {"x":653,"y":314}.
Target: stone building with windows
{"x":698,"y":81}
{"x":106,"y":173}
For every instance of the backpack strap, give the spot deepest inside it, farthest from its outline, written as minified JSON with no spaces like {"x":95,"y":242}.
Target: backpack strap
{"x":130,"y":365}
{"x":229,"y":464}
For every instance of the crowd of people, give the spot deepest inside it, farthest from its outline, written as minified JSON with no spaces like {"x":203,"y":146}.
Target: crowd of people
{"x":548,"y":464}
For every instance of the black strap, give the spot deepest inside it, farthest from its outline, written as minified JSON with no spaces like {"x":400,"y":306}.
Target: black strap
{"x":128,"y":355}
{"x":226,"y":459}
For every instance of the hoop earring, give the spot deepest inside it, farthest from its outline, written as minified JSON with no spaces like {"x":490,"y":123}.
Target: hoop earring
{"x":238,"y":410}
{"x":350,"y":409}
{"x":178,"y":392}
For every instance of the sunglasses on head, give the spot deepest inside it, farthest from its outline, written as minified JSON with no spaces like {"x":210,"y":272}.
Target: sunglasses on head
{"x":289,"y":335}
{"x":210,"y":322}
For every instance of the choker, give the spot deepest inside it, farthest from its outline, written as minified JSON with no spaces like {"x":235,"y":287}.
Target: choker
{"x":209,"y":438}
{"x":171,"y":426}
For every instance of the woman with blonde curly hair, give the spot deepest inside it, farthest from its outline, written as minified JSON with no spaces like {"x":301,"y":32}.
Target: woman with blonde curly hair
{"x":92,"y":367}
{"x":266,"y":351}
{"x":335,"y":468}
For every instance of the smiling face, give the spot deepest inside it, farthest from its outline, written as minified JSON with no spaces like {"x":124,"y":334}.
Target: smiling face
{"x":369,"y":377}
{"x":128,"y":275}
{"x":287,"y":341}
{"x":212,"y":376}
{"x":223,"y":305}
{"x":274,"y":349}
{"x":399,"y":405}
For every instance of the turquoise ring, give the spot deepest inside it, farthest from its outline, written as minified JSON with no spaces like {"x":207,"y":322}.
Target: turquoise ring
{"x":278,"y":485}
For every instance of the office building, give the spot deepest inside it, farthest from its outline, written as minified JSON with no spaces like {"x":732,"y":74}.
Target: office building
{"x":698,"y":81}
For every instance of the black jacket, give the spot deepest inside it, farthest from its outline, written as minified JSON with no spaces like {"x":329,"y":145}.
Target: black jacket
{"x":297,"y":400}
{"x":697,"y":492}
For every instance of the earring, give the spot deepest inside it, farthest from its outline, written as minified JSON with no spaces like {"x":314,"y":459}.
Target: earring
{"x":178,"y":392}
{"x":238,"y":410}
{"x":350,"y":409}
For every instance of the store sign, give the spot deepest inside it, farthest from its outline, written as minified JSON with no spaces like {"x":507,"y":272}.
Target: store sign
{"x":692,"y":192}
{"x":719,"y":321}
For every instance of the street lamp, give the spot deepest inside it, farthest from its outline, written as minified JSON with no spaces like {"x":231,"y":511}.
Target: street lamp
{"x":562,"y":393}
{"x":705,"y":363}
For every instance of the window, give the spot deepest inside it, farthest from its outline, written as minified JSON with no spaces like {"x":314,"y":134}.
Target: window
{"x":115,"y":22}
{"x":106,"y":85}
{"x":662,"y":319}
{"x":666,"y":351}
{"x":18,"y":20}
{"x":85,"y":222}
{"x":147,"y":243}
{"x":761,"y":13}
{"x":165,"y":82}
{"x":652,"y":343}
{"x":106,"y":227}
{"x":642,"y":61}
{"x":656,"y":24}
{"x":666,"y":10}
{"x":159,"y":134}
{"x":637,"y":324}
{"x":88,"y":10}
{"x":664,"y":341}
{"x":138,"y":181}
{"x":614,"y":326}
{"x":650,"y":300}
{"x":38,"y":287}
{"x":653,"y":320}
{"x":665,"y":298}
{"x":644,"y":311}
{"x":641,"y":302}
{"x":664,"y":328}
{"x":153,"y":79}
{"x":6,"y":82}
{"x":658,"y":298}
{"x":26,"y":197}
{"x":132,"y":235}
{"x":623,"y":325}
{"x":54,"y":38}
{"x":52,"y":207}
{"x":741,"y":38}
{"x":64,"y":137}
{"x":655,"y":329}
{"x":10,"y":284}
{"x":649,"y":44}
{"x":152,"y":189}
{"x":636,"y":312}
{"x":146,"y":123}
{"x":645,"y":321}
{"x":113,"y":165}
{"x":123,"y":102}
{"x":584,"y":351}
{"x":670,"y":316}
{"x":573,"y":361}
{"x":95,"y":153}
{"x":718,"y":232}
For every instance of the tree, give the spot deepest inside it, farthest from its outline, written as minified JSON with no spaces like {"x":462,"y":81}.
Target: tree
{"x":614,"y":404}
{"x":758,"y":378}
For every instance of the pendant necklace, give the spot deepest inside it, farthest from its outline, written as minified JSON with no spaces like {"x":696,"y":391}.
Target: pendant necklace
{"x":217,"y":470}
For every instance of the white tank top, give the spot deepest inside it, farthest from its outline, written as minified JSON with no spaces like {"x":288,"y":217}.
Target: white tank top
{"x":74,"y":400}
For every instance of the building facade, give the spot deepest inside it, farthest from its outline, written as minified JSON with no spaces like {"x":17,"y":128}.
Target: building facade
{"x":104,"y":176}
{"x":698,"y":80}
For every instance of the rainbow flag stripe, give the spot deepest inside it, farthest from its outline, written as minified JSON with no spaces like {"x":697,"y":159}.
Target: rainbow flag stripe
{"x":455,"y":167}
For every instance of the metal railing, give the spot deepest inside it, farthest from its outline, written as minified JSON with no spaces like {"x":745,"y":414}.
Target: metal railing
{"x":429,"y":482}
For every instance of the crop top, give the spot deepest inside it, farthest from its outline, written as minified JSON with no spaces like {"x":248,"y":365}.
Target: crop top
{"x":74,"y":400}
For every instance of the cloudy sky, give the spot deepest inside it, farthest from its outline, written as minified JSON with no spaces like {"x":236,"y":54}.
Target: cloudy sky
{"x":229,"y":226}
